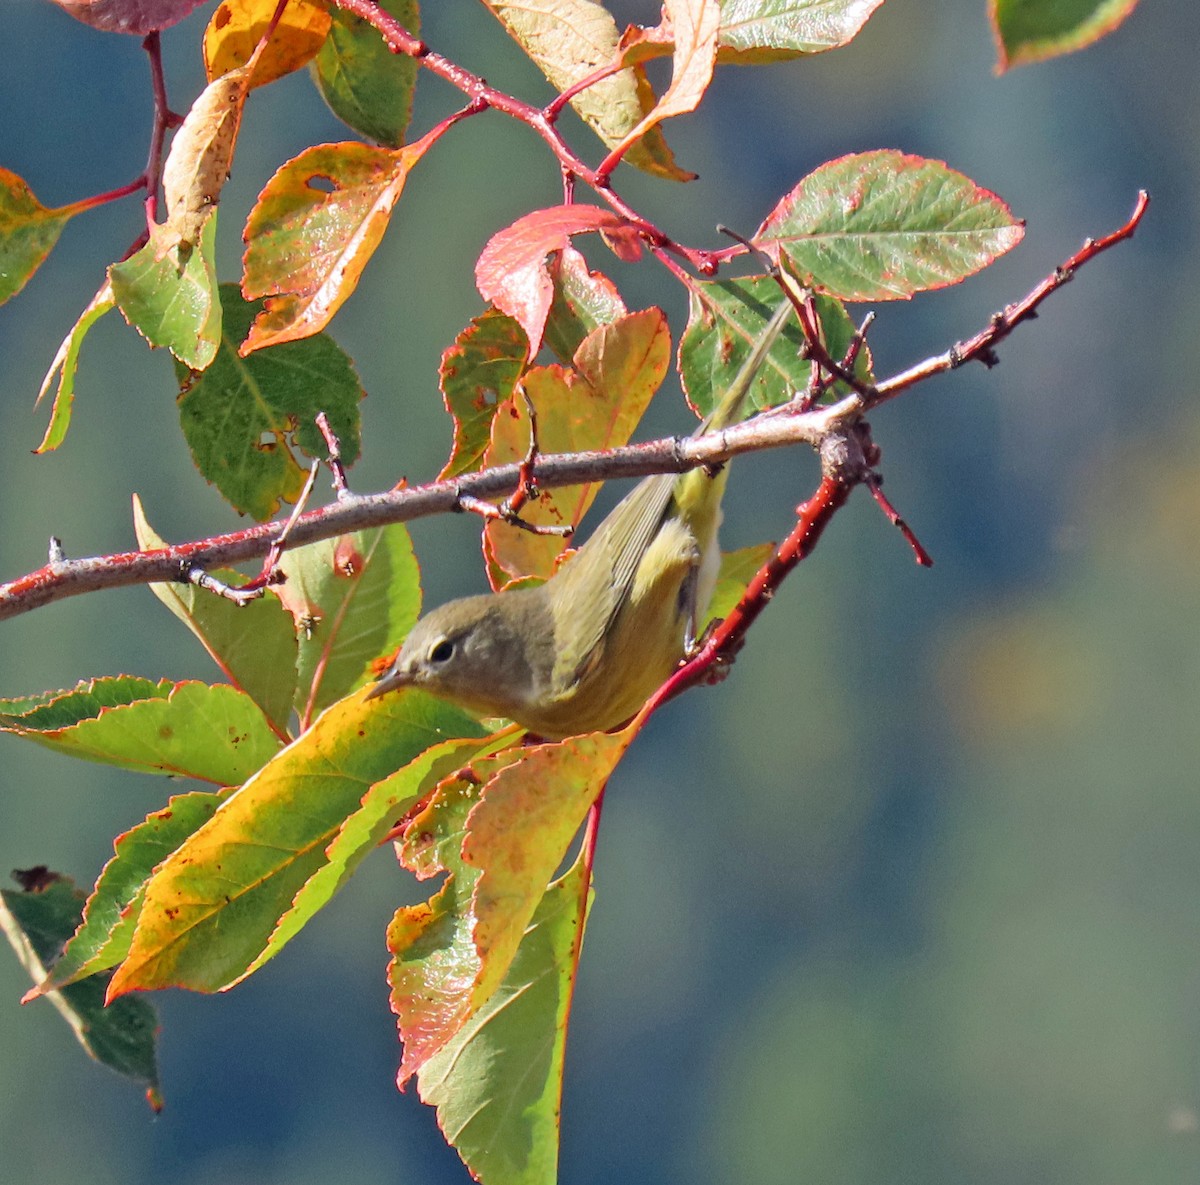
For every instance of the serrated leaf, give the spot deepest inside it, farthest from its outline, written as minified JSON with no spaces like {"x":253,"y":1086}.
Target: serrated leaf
{"x":497,"y":1085}
{"x":28,"y":232}
{"x":596,"y":405}
{"x":511,"y":270}
{"x":243,"y":417}
{"x":214,"y":733}
{"x":211,"y":908}
{"x":66,"y":360}
{"x":583,"y":300}
{"x":313,"y":230}
{"x":569,"y":40}
{"x":883,"y":226}
{"x":168,"y":292}
{"x":726,"y":317}
{"x":368,"y":87}
{"x":61,"y":709}
{"x":478,"y":374}
{"x":37,"y":922}
{"x":110,"y":915}
{"x":754,"y":31}
{"x":237,"y":26}
{"x":352,"y":599}
{"x":1034,"y":30}
{"x":253,"y":644}
{"x":137,"y":17}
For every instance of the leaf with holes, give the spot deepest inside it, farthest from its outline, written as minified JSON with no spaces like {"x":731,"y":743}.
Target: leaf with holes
{"x":478,"y":375}
{"x":244,"y":417}
{"x":313,"y":230}
{"x":883,"y":226}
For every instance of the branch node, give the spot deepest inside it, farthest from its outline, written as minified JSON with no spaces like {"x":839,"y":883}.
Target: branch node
{"x":57,"y":555}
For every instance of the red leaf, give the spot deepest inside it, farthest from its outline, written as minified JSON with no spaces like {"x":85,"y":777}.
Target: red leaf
{"x":511,"y":271}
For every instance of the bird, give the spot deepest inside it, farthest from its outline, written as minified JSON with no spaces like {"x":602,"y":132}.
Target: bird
{"x":582,"y":652}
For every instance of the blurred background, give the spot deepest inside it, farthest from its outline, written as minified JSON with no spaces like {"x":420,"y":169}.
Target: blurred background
{"x":915,"y":894}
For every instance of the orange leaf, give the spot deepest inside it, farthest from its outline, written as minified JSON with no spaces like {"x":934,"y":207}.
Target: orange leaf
{"x":237,"y":27}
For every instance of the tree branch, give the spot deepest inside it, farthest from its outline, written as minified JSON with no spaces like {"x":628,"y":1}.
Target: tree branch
{"x":61,"y":578}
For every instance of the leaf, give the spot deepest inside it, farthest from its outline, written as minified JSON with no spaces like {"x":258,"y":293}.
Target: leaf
{"x":497,"y":1085}
{"x":754,"y":31}
{"x":726,"y":317}
{"x":1034,"y":30}
{"x":583,"y":300}
{"x":243,"y":417}
{"x":65,"y":363}
{"x":511,"y":270}
{"x":28,"y":232}
{"x":253,"y":644}
{"x":137,"y":17}
{"x":618,"y":368}
{"x":693,"y":26}
{"x":738,"y":568}
{"x":883,"y":225}
{"x":313,"y":229}
{"x":478,"y":374}
{"x":37,"y":922}
{"x":212,"y":907}
{"x":168,"y":292}
{"x":352,"y":599}
{"x":383,"y":805}
{"x":569,"y":40}
{"x":368,"y":87}
{"x":214,"y":733}
{"x":110,"y":915}
{"x":518,"y":835}
{"x":197,"y":166}
{"x":237,"y":27}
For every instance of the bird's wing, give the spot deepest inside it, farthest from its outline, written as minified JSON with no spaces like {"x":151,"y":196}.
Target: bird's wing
{"x":589,"y":601}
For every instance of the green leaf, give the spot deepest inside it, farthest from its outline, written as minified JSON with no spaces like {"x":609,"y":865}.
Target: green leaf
{"x":214,"y":733}
{"x":313,"y":230}
{"x":111,"y":912}
{"x":383,"y":805}
{"x":737,"y":570}
{"x":168,"y":292}
{"x":368,"y":87}
{"x":37,"y":922}
{"x":479,"y":372}
{"x":28,"y":232}
{"x":65,"y":363}
{"x":725,"y":319}
{"x":583,"y":301}
{"x":353,"y":599}
{"x":242,"y":417}
{"x":883,"y":225}
{"x":211,"y":908}
{"x":1033,"y":30}
{"x":50,"y":710}
{"x":754,"y":31}
{"x":253,"y":644}
{"x":497,"y":1085}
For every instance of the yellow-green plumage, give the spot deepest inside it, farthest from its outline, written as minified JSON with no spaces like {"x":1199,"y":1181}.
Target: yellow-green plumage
{"x":585,"y":650}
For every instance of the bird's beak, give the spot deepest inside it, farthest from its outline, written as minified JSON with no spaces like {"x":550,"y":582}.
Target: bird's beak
{"x":388,"y":681}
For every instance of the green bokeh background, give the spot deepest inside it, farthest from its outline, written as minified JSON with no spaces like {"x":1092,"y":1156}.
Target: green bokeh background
{"x":915,"y":894}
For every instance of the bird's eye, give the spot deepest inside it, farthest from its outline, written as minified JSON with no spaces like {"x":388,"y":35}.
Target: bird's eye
{"x":442,"y":652}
